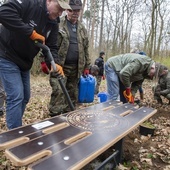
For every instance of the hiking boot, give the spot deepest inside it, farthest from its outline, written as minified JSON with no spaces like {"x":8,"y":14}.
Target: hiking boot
{"x":1,"y":113}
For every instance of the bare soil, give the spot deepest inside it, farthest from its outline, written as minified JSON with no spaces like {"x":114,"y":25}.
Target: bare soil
{"x":139,"y":152}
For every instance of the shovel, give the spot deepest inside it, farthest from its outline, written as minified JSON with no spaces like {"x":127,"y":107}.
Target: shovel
{"x":60,"y":78}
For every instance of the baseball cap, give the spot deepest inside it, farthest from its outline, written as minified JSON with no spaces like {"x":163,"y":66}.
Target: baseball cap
{"x":75,"y":4}
{"x":102,"y":53}
{"x":142,"y":53}
{"x":64,"y":4}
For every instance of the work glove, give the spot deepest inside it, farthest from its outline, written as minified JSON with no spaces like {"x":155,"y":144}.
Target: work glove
{"x":37,"y":37}
{"x":59,"y":70}
{"x":86,"y":72}
{"x":103,"y":77}
{"x":44,"y":67}
{"x":128,"y":95}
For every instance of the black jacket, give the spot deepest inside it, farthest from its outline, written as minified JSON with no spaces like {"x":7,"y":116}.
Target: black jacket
{"x":19,"y":18}
{"x":100,"y":63}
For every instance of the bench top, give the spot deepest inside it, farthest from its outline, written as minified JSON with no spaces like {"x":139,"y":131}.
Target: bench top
{"x":72,"y":140}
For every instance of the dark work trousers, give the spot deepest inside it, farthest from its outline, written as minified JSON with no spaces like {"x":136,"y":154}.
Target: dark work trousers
{"x":121,"y":90}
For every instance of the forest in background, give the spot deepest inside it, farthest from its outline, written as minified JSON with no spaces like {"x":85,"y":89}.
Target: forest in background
{"x":117,"y":26}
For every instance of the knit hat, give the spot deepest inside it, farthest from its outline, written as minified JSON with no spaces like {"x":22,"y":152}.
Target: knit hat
{"x":64,"y":4}
{"x":75,"y":4}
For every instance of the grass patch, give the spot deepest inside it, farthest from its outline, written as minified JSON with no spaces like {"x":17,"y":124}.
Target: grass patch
{"x":164,"y":60}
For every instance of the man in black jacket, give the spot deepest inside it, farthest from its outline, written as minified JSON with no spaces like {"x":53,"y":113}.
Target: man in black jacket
{"x":23,"y":23}
{"x":100,"y":63}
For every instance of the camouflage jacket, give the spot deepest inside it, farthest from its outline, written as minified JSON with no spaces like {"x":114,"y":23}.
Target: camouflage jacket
{"x":164,"y":84}
{"x":83,"y":45}
{"x":131,"y":67}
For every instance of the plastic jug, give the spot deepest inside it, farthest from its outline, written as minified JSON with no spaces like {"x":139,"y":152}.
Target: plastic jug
{"x":86,"y":89}
{"x":102,"y":97}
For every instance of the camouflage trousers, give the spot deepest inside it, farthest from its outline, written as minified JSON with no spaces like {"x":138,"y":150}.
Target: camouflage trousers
{"x":58,"y":102}
{"x":98,"y":79}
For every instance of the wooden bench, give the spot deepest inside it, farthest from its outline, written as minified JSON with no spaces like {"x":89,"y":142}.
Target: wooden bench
{"x":72,"y":140}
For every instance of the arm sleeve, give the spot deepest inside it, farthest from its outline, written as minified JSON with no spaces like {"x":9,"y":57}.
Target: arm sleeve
{"x":11,"y":14}
{"x":167,"y":90}
{"x":86,"y":50}
{"x":136,"y":86}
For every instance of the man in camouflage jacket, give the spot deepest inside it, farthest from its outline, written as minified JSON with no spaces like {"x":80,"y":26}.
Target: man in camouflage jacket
{"x":73,"y":56}
{"x":125,"y":70}
{"x":163,"y":86}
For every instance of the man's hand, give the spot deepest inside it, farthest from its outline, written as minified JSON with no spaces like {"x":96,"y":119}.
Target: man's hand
{"x":128,"y":95}
{"x":86,"y":72}
{"x":103,"y":77}
{"x":37,"y":37}
{"x":59,"y":69}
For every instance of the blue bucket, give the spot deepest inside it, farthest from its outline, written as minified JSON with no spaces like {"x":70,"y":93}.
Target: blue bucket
{"x":102,"y":96}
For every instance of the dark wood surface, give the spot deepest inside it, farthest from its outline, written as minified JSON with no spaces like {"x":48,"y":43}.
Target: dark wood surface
{"x":89,"y":132}
{"x":11,"y":138}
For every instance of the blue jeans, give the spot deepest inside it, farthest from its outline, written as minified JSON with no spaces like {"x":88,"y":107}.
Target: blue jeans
{"x":112,"y":83}
{"x":2,"y":96}
{"x":17,"y":87}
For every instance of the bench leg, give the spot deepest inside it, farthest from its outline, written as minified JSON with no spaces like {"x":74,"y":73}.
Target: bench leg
{"x":116,"y":156}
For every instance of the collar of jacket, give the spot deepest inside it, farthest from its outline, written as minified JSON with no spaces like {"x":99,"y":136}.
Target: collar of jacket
{"x":43,"y":5}
{"x":63,"y":23}
{"x":101,"y":57}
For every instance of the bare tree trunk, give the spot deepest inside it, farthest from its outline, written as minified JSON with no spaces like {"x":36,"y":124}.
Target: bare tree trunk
{"x":101,"y":26}
{"x":161,"y":28}
{"x":152,"y":29}
{"x":93,"y":9}
{"x":155,"y":29}
{"x":82,"y":11}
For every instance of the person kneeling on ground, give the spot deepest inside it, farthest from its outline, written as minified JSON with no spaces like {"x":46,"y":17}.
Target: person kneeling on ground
{"x":163,"y":86}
